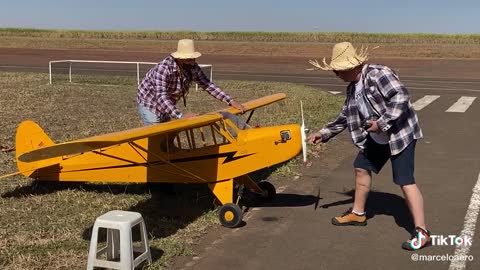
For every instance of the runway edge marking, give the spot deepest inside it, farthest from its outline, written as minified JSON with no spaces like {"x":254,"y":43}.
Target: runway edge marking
{"x":468,"y":227}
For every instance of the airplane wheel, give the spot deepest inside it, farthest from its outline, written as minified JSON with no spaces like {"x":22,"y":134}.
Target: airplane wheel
{"x":269,"y":188}
{"x":230,"y":215}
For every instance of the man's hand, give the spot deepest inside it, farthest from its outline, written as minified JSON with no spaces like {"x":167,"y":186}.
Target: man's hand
{"x":237,"y":105}
{"x":314,"y":138}
{"x":373,"y":127}
{"x":189,"y":114}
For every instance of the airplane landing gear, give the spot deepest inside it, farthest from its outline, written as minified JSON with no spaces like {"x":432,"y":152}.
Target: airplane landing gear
{"x":230,"y":215}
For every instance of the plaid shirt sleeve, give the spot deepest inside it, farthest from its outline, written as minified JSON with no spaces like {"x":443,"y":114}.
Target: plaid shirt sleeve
{"x":163,"y":78}
{"x":396,"y":97}
{"x":202,"y":80}
{"x":335,"y":127}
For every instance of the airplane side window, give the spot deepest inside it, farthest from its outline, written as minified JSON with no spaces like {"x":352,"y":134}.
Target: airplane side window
{"x":201,"y":137}
{"x":216,"y":132}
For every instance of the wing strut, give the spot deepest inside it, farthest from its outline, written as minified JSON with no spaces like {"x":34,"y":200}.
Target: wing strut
{"x":250,"y":116}
{"x":15,"y":173}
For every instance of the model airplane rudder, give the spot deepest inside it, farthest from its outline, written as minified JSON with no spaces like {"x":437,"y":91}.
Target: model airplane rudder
{"x":30,"y":136}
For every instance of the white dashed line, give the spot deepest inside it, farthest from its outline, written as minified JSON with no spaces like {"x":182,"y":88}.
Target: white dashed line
{"x":461,"y":105}
{"x":423,"y":102}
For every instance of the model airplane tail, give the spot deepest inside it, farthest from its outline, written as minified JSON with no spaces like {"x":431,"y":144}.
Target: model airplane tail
{"x":29,"y":137}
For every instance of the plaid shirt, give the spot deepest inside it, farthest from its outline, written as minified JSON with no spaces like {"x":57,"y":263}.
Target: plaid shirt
{"x":162,"y":87}
{"x":390,"y":100}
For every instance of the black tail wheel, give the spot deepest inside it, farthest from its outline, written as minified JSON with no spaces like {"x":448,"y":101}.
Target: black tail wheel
{"x":268,"y":189}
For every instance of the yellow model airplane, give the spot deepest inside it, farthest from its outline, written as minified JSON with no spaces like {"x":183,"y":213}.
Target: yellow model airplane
{"x":218,"y":149}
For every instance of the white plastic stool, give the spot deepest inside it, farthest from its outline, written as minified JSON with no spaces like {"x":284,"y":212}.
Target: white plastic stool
{"x":119,"y":226}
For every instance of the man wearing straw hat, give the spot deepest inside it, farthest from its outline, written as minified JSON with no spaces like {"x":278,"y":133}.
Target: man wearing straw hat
{"x":170,"y":80}
{"x":383,"y":125}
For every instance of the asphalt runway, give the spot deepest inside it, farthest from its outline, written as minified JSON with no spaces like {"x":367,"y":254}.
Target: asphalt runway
{"x":446,"y":93}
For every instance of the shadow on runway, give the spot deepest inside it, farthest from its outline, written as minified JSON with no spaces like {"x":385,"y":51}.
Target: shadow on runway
{"x":381,"y":203}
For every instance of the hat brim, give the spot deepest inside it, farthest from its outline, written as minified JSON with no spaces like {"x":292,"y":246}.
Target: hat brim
{"x":178,"y":55}
{"x":338,"y":65}
{"x":345,"y":65}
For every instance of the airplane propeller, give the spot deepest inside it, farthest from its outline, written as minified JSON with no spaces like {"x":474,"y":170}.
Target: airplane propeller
{"x":303,"y":131}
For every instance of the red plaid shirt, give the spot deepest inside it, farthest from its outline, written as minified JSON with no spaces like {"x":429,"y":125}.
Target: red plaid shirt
{"x":162,"y":87}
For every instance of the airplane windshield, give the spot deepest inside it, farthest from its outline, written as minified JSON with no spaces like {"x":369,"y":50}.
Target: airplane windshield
{"x":236,"y":120}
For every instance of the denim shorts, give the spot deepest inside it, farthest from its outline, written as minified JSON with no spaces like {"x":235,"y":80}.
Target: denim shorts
{"x":375,"y":155}
{"x":149,"y":118}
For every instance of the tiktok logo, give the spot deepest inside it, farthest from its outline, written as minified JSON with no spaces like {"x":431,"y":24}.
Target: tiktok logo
{"x":441,"y":240}
{"x":416,"y":243}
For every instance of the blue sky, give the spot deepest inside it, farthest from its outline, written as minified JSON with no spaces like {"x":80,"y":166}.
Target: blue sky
{"x":374,"y":16}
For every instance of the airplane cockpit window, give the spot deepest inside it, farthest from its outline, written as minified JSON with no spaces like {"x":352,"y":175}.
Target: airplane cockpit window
{"x":210,"y":135}
{"x":201,"y":137}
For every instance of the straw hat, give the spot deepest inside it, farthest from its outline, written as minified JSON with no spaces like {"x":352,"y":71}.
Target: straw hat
{"x":344,"y":57}
{"x":186,"y":50}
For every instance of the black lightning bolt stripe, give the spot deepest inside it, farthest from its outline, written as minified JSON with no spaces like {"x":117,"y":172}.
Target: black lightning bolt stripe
{"x":229,"y":157}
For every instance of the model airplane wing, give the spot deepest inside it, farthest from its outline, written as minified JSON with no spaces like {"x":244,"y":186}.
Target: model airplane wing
{"x":110,"y":139}
{"x":257,"y":103}
{"x":42,"y":152}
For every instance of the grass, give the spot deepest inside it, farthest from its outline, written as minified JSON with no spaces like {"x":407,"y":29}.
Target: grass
{"x":328,"y":37}
{"x":48,"y":226}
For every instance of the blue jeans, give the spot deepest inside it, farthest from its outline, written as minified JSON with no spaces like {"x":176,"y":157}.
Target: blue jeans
{"x":150,"y":118}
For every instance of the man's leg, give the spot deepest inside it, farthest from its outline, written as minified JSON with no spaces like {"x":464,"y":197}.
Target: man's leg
{"x":414,"y":200}
{"x":371,"y":159}
{"x":363,"y":180}
{"x":148,"y":117}
{"x":356,"y":215}
{"x":403,"y":166}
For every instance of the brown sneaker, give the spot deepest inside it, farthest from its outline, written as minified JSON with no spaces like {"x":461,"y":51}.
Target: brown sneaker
{"x":350,"y":218}
{"x":419,"y":240}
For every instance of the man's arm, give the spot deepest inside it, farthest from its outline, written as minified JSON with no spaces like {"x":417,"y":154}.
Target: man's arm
{"x":202,"y":80}
{"x":396,"y":97}
{"x":331,"y":129}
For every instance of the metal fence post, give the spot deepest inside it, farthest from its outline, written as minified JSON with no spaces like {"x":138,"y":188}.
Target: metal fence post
{"x":50,"y":71}
{"x":138,"y":73}
{"x":70,"y":72}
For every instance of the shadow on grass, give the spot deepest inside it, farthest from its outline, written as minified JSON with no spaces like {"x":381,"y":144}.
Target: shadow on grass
{"x":48,"y":187}
{"x":381,"y":203}
{"x":167,"y":208}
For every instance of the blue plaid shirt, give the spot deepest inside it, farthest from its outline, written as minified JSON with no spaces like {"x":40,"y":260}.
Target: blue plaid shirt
{"x":391,"y":101}
{"x":164,"y":85}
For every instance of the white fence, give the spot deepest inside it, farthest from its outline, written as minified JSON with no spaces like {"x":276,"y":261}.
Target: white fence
{"x":70,"y":62}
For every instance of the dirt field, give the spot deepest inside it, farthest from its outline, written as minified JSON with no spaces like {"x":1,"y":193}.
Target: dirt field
{"x":457,"y":61}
